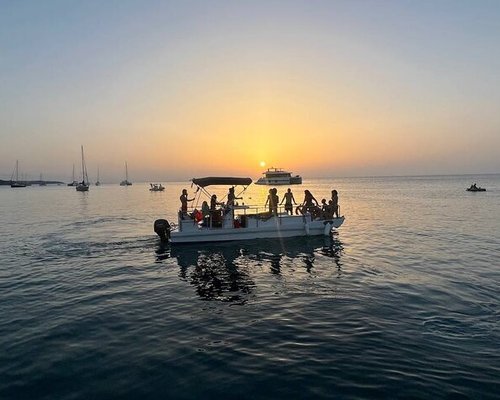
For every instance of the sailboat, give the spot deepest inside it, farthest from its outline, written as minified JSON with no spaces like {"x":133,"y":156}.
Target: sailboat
{"x":97,"y":182}
{"x":16,"y":183}
{"x":126,"y":181}
{"x":42,"y":182}
{"x":83,"y":186}
{"x":74,"y":182}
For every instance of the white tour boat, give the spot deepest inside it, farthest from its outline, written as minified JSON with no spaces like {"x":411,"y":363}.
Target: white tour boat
{"x":278,"y":176}
{"x":238,"y":222}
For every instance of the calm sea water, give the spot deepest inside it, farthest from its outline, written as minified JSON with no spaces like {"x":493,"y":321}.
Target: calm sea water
{"x":403,"y":302}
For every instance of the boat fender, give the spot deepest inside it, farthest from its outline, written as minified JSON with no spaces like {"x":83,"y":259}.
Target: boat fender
{"x":162,"y":229}
{"x":306,"y":227}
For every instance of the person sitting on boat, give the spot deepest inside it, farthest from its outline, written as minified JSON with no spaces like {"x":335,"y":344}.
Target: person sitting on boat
{"x":307,"y":204}
{"x":329,"y":210}
{"x":288,"y":199}
{"x":324,"y":208}
{"x":335,"y":200}
{"x":184,"y":201}
{"x":205,"y":212}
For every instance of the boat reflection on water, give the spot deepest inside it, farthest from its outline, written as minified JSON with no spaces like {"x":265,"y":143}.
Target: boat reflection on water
{"x":223,"y":271}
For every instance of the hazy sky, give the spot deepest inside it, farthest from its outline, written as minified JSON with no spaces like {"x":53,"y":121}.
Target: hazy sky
{"x":190,"y":88}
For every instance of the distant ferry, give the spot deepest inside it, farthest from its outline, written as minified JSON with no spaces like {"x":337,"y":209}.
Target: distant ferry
{"x":278,"y":176}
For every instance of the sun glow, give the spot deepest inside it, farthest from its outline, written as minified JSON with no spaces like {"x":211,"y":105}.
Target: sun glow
{"x":262,"y":164}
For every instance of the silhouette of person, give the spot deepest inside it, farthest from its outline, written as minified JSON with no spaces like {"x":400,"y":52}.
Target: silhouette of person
{"x":272,"y":200}
{"x":231,"y":197}
{"x":289,"y":201}
{"x":335,"y":205}
{"x":307,"y":204}
{"x":214,"y":213}
{"x":184,"y":201}
{"x":205,"y":209}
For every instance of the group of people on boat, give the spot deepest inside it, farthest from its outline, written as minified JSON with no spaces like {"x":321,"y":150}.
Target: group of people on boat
{"x":157,"y":187}
{"x":475,"y":188}
{"x":327,"y":209}
{"x":213,"y":211}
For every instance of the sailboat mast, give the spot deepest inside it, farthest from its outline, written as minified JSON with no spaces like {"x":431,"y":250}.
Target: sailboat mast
{"x":84,"y":170}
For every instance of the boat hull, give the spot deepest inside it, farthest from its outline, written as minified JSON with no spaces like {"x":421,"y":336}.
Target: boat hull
{"x":276,"y":227}
{"x":272,"y":182}
{"x":82,"y":188}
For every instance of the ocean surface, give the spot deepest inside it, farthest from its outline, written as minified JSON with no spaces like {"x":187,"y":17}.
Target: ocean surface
{"x":403,"y":302}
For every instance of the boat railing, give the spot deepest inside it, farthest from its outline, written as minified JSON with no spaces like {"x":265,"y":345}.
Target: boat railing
{"x":253,"y":209}
{"x":237,"y":216}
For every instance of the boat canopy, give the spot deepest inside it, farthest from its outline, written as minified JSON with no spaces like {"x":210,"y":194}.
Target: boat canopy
{"x":221,"y":180}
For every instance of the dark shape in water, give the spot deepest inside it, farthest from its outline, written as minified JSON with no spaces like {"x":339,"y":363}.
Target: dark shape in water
{"x":475,"y":188}
{"x":217,"y":271}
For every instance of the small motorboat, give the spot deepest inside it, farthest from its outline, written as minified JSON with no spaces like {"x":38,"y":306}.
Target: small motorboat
{"x":475,"y":188}
{"x":156,"y":187}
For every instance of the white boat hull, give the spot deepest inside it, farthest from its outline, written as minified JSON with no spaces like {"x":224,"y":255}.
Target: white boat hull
{"x":282,"y":226}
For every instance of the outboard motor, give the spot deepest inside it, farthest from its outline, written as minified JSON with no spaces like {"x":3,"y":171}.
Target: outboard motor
{"x":162,"y":229}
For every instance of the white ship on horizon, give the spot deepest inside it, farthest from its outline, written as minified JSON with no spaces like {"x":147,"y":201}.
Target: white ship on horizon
{"x":278,"y":176}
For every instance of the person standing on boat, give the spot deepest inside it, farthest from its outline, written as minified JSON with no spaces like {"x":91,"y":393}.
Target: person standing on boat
{"x":335,"y":205}
{"x":276,"y":200}
{"x":184,"y":201}
{"x":215,"y":215}
{"x":288,"y":199}
{"x":269,"y":199}
{"x":205,"y":209}
{"x":231,"y":197}
{"x":272,"y":200}
{"x":214,"y":203}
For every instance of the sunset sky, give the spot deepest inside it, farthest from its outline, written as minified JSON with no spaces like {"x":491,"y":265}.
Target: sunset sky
{"x":191,"y":88}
